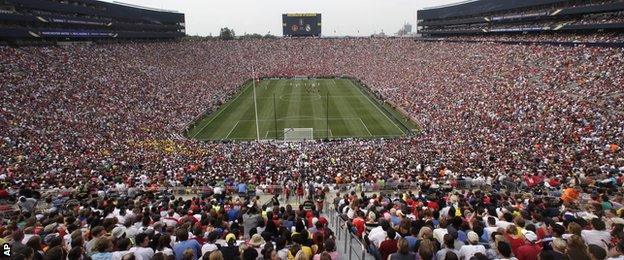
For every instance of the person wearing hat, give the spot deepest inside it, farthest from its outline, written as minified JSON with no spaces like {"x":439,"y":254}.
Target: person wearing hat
{"x":118,"y":232}
{"x":231,"y":250}
{"x":468,"y":251}
{"x":529,"y":250}
{"x":27,"y":204}
{"x":256,"y":242}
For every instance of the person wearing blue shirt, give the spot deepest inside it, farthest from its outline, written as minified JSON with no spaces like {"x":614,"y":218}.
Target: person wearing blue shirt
{"x":233,"y":213}
{"x":242,"y":189}
{"x":412,"y":238}
{"x":184,"y":244}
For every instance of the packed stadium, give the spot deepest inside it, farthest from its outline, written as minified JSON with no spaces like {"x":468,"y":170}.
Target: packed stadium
{"x":492,"y":131}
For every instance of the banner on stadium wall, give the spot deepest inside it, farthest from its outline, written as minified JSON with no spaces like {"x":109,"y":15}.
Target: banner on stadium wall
{"x":76,"y":34}
{"x":516,"y":16}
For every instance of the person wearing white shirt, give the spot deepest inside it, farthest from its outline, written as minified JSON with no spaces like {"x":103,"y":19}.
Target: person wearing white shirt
{"x":124,"y":245}
{"x":449,"y":246}
{"x":444,"y":211}
{"x":211,"y":244}
{"x":598,"y":235}
{"x":491,"y":228}
{"x":378,"y":234}
{"x":468,"y":251}
{"x":505,"y":219}
{"x":170,"y":219}
{"x":141,"y":250}
{"x":439,"y":232}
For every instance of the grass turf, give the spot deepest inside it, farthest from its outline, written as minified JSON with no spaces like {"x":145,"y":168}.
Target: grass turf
{"x":334,"y":108}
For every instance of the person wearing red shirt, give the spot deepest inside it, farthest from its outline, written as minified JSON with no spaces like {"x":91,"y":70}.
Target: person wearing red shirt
{"x":388,"y":246}
{"x":516,"y":240}
{"x":530,"y":250}
{"x":359,"y":223}
{"x":4,"y":194}
{"x":432,"y":204}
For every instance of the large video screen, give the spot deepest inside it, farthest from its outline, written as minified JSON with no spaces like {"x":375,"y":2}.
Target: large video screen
{"x":301,"y":24}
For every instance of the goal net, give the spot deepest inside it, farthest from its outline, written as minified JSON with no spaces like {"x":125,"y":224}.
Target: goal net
{"x":298,"y":134}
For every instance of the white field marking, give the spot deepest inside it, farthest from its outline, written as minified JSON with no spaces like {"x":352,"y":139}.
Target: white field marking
{"x":220,"y":111}
{"x":266,"y":136}
{"x":330,"y":133}
{"x":369,"y":100}
{"x":301,"y":118}
{"x":228,"y":135}
{"x":317,"y":95}
{"x":369,"y":132}
{"x":312,"y":97}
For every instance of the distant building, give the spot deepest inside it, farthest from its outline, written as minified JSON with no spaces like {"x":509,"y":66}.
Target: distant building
{"x":406,"y":30}
{"x":381,"y":34}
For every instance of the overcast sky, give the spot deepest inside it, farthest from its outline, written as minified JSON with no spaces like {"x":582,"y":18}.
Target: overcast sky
{"x":345,"y":17}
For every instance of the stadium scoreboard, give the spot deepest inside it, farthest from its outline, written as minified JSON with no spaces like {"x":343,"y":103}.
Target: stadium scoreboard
{"x":301,"y":24}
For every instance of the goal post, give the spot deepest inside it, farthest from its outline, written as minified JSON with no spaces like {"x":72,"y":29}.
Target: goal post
{"x":298,"y":134}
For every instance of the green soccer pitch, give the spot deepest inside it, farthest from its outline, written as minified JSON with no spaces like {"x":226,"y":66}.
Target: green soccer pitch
{"x":331,"y":108}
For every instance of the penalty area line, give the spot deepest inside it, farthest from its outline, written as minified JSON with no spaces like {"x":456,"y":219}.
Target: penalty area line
{"x":232,"y":130}
{"x":221,"y":111}
{"x":366,"y":127}
{"x":376,"y":106}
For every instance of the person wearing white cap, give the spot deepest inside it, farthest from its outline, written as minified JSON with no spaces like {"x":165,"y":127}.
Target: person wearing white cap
{"x":529,"y":250}
{"x":468,"y":251}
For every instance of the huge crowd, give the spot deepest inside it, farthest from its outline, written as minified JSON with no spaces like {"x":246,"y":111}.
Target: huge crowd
{"x":78,"y":123}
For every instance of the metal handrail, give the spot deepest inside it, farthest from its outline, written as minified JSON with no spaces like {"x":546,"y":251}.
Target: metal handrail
{"x":342,"y":232}
{"x":366,"y":187}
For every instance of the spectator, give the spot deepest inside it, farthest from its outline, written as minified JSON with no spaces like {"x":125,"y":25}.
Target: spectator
{"x":529,"y":250}
{"x":389,"y":245}
{"x":184,"y":244}
{"x":468,"y":251}
{"x":403,"y":251}
{"x":141,"y":250}
{"x":102,"y":249}
{"x":597,"y":235}
{"x":448,"y":246}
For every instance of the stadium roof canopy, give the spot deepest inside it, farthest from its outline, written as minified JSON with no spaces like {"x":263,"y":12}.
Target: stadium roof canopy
{"x":475,"y":7}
